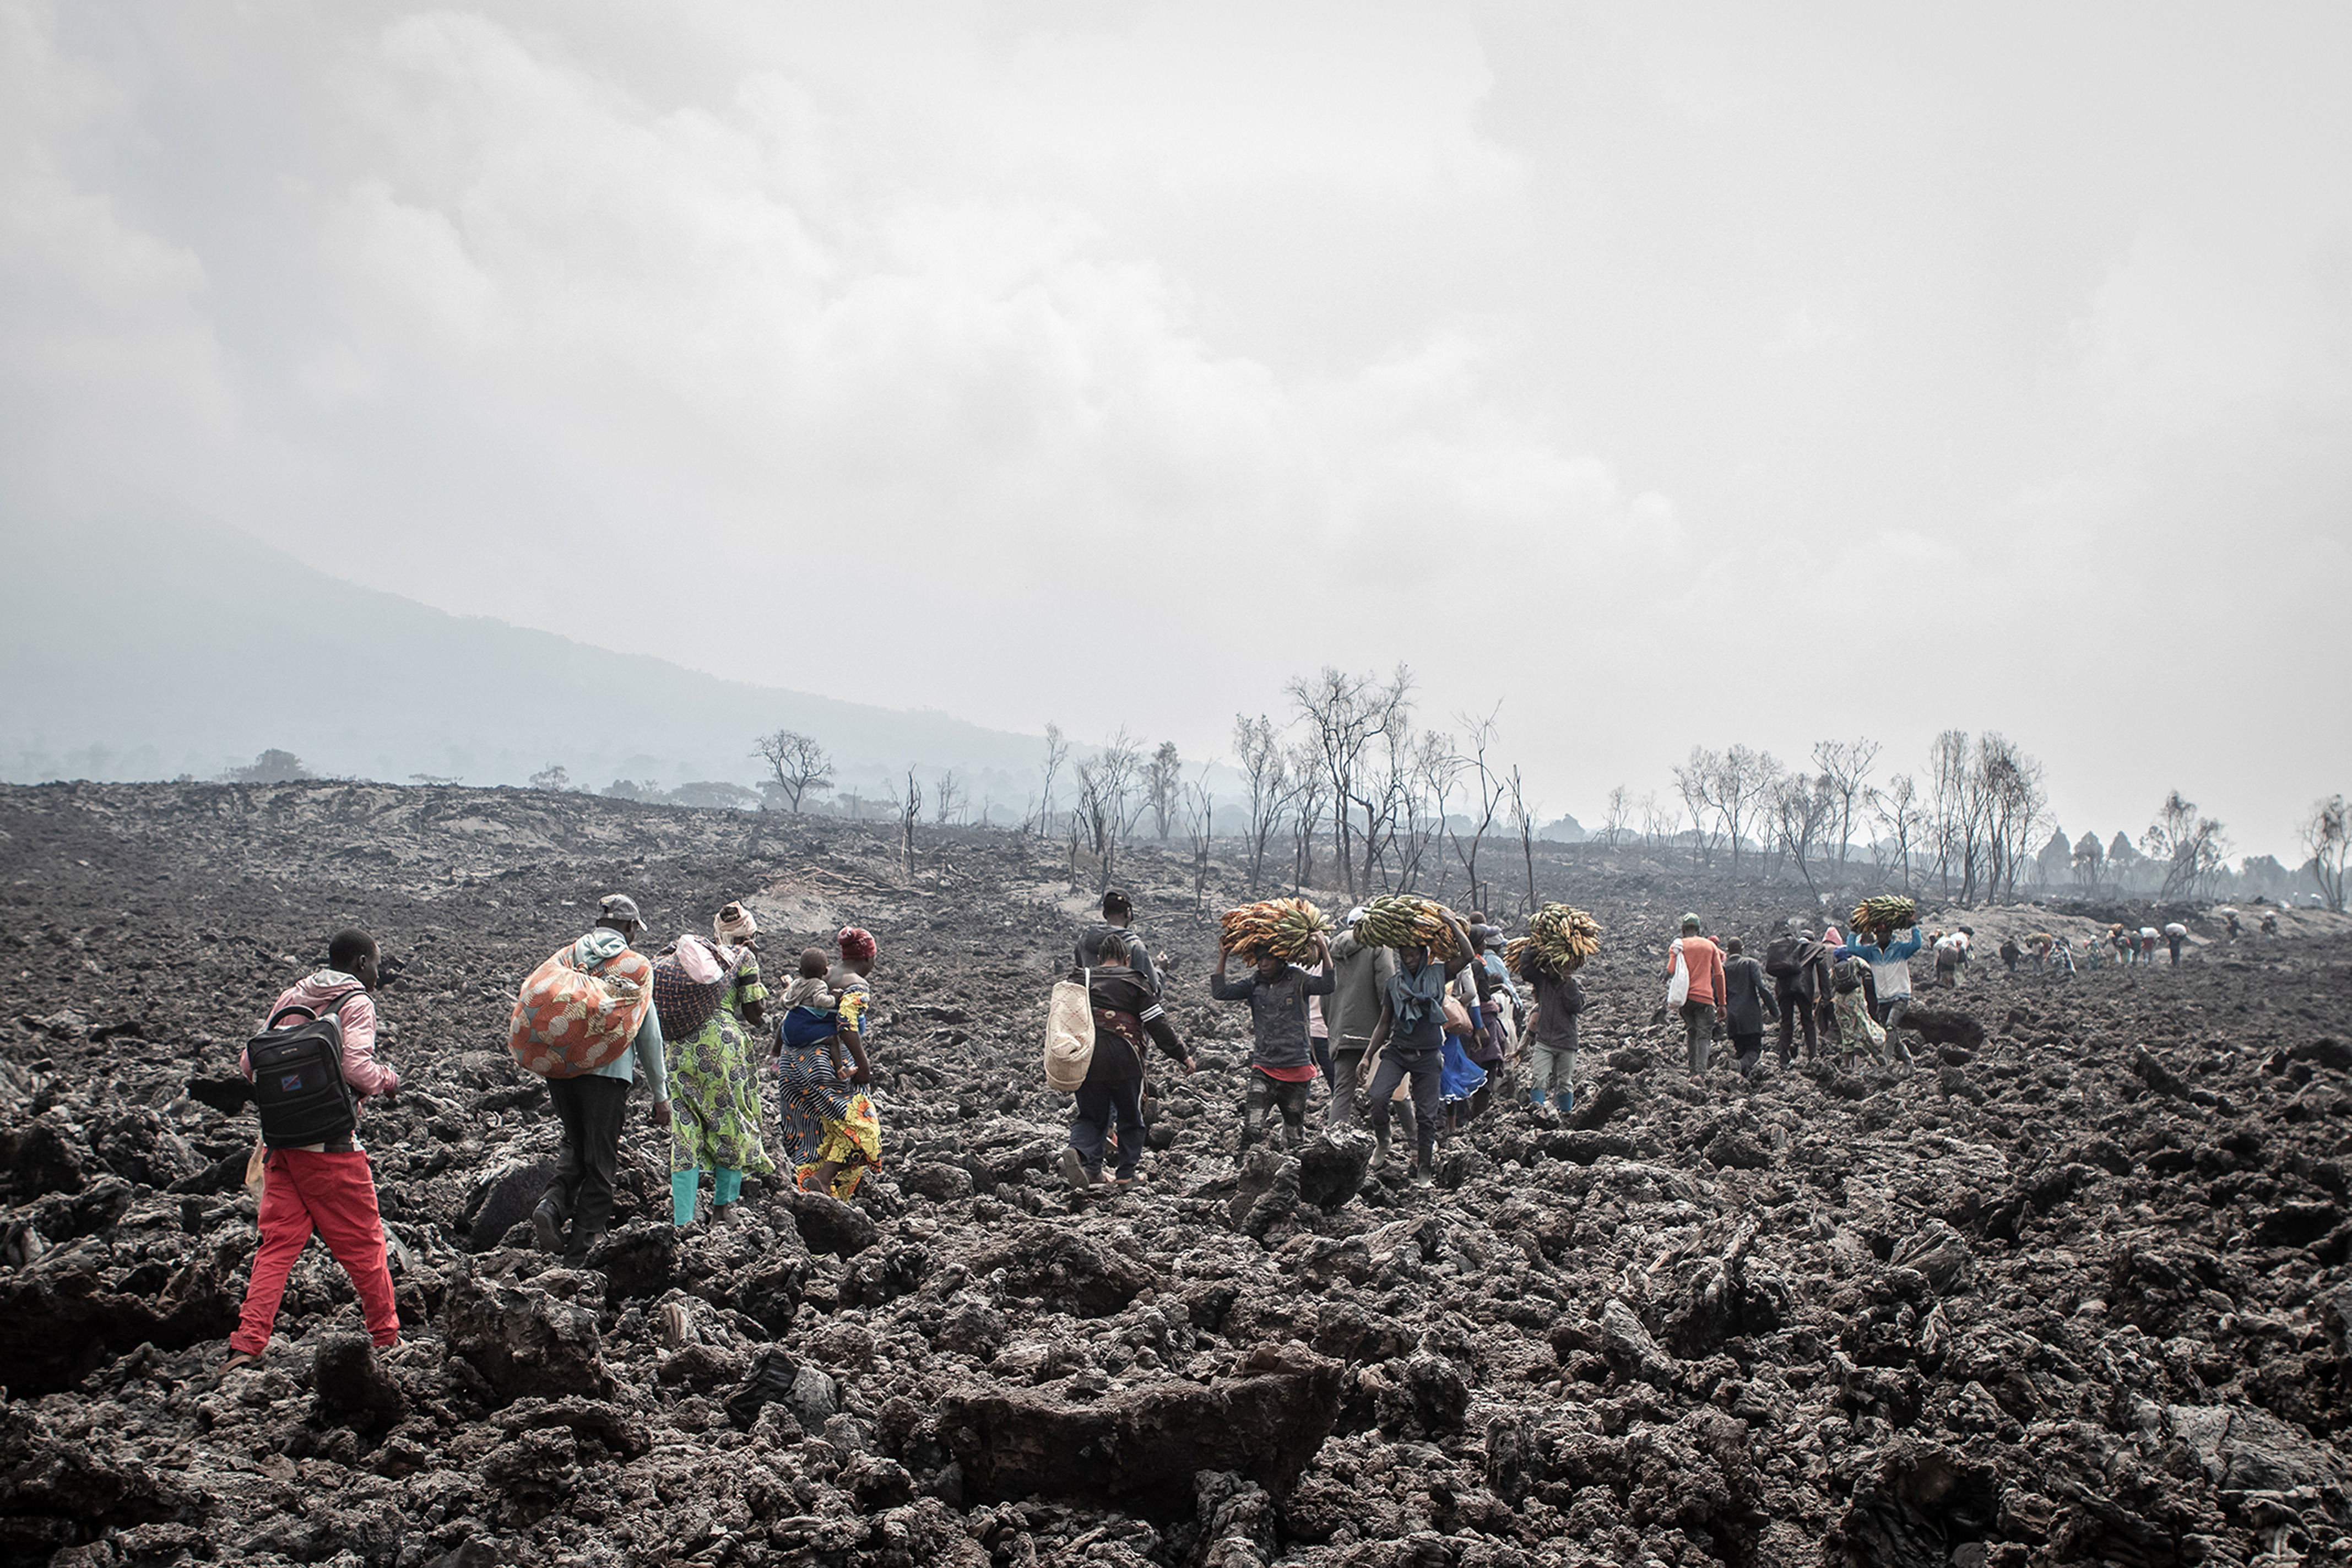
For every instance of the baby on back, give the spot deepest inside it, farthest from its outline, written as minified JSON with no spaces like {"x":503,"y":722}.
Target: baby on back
{"x":809,"y":1007}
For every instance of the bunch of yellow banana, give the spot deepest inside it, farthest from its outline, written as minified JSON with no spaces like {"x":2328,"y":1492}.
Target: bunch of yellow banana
{"x":1888,"y":912}
{"x":1561,"y":937}
{"x":1285,"y":927}
{"x":1407,"y":920}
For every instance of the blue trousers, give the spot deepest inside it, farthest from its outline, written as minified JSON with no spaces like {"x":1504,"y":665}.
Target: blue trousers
{"x":1098,"y":1103}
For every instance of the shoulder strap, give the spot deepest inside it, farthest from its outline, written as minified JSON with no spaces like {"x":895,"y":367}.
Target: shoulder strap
{"x":312,"y":1013}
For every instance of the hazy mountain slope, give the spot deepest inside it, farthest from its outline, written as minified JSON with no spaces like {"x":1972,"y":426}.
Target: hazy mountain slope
{"x":183,"y":647}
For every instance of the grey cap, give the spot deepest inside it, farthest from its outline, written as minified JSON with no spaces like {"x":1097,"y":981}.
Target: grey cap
{"x":619,"y":906}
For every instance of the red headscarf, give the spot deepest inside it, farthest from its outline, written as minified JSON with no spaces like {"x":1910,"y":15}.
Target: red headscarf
{"x":856,"y":944}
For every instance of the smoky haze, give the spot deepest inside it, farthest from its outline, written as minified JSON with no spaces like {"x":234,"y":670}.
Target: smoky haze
{"x":1720,"y":376}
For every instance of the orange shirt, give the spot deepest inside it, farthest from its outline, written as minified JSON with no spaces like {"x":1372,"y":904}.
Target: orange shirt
{"x":1705,"y":961}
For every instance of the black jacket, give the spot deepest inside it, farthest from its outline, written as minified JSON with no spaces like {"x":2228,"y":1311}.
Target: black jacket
{"x":1812,"y":978}
{"x":1115,"y":1059}
{"x":1089,"y":951}
{"x":1747,"y":999}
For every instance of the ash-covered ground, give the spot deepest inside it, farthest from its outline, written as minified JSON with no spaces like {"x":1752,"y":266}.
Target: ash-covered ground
{"x":2074,"y":1291}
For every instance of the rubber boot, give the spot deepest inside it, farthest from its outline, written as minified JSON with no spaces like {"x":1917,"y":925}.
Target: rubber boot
{"x":1536,"y":1098}
{"x":547,"y":1226}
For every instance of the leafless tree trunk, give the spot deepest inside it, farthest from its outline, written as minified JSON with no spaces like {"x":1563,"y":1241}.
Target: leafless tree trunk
{"x":1265,"y":769}
{"x":1309,"y":793}
{"x":1097,"y":812}
{"x":1346,"y":716}
{"x":1847,"y":764}
{"x":1058,"y":751}
{"x":1430,"y":769}
{"x":2327,"y":833}
{"x":1956,"y":812}
{"x":1699,"y":782}
{"x":1524,"y":815}
{"x":1482,"y":733}
{"x":947,"y":801}
{"x":2192,"y":847}
{"x":2015,"y":806}
{"x":1899,"y":813}
{"x":1800,"y":808}
{"x":1201,"y":826}
{"x":798,"y":762}
{"x":1743,"y":786}
{"x":1163,"y":781}
{"x":910,"y":811}
{"x":2090,"y":858}
{"x":1620,"y":807}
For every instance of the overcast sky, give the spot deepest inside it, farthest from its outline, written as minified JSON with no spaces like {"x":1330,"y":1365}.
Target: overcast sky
{"x":1673,"y":375}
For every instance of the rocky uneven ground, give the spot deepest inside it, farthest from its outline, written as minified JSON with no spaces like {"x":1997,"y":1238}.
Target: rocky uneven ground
{"x":2074,"y":1291}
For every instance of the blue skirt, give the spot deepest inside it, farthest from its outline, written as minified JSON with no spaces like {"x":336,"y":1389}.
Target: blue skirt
{"x":1458,"y":1077}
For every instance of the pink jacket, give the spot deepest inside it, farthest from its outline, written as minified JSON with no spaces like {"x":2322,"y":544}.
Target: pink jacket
{"x":361,"y":1071}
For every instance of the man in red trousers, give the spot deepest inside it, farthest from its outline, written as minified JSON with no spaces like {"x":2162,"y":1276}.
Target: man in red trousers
{"x":326,"y":1187}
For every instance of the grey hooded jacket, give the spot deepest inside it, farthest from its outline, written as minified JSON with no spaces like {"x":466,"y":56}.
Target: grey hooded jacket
{"x":1359,"y":977}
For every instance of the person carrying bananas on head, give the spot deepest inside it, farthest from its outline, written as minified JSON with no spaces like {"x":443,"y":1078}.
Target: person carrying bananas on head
{"x":1889,"y":958}
{"x":1359,"y":978}
{"x":1409,"y":1040}
{"x":1282,"y":1058}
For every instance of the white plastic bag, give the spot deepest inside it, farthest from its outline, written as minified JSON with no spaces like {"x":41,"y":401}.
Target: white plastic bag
{"x":1678,"y":986}
{"x":1070,"y":1033}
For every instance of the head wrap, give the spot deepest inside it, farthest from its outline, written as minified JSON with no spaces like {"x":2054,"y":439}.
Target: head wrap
{"x":734,"y":924}
{"x":856,"y":944}
{"x":619,"y":906}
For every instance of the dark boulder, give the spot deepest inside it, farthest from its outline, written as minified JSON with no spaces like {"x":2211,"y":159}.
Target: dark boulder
{"x":828,"y":1225}
{"x":1139,"y":1448}
{"x":1072,"y":1271}
{"x":349,"y":1389}
{"x":1331,"y":1167}
{"x":524,"y":1340}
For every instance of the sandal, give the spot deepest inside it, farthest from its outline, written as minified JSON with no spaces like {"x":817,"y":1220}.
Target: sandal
{"x":239,"y":1358}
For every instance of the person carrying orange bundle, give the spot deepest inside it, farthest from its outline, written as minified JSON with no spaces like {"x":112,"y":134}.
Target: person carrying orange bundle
{"x":593,"y":1105}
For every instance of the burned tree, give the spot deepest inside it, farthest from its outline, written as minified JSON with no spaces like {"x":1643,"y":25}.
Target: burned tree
{"x":1346,"y":716}
{"x":2191,"y":849}
{"x":798,"y":763}
{"x":1265,"y":773}
{"x":2328,"y":836}
{"x":1163,"y":783}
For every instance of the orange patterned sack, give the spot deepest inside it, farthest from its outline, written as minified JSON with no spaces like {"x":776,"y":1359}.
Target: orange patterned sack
{"x":568,"y":1021}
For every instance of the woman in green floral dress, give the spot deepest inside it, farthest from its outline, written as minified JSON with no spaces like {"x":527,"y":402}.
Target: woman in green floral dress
{"x":714,"y":1083}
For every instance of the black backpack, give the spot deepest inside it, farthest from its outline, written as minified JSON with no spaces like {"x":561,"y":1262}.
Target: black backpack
{"x":298,"y":1078}
{"x":1781,"y":957}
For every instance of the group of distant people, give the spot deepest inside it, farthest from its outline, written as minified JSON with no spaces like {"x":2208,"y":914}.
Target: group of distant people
{"x":2051,"y":954}
{"x":1853,"y":993}
{"x":1394,"y":1034}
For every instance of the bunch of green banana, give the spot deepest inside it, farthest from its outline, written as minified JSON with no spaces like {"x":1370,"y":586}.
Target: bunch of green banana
{"x":1884,"y":914}
{"x":1284,"y":927}
{"x":1561,"y":937}
{"x":1407,"y":920}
